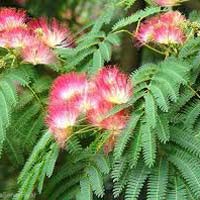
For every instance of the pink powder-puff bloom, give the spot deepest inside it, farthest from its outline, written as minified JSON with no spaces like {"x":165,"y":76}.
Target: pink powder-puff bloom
{"x":88,"y":99}
{"x":67,"y":86}
{"x":165,"y":28}
{"x":174,"y":18}
{"x":38,"y":53}
{"x":18,"y":37}
{"x":113,"y":85}
{"x":11,"y":18}
{"x":52,"y":33}
{"x":169,"y":35}
{"x":145,"y":33}
{"x":97,"y":117}
{"x":168,"y":3}
{"x":60,"y":120}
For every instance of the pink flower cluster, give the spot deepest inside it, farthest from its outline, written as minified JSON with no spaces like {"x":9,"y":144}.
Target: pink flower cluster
{"x":164,"y":29}
{"x":168,"y":3}
{"x":73,"y":95}
{"x":34,"y":39}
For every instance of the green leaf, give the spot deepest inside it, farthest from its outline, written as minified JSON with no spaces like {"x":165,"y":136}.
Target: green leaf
{"x":102,"y":164}
{"x":148,"y":144}
{"x":86,"y":190}
{"x":162,"y":129}
{"x":136,"y":17}
{"x":135,"y":149}
{"x":157,"y":186}
{"x":161,"y":98}
{"x":176,"y":190}
{"x":105,"y":50}
{"x":96,"y":181}
{"x":136,"y":181}
{"x":188,"y":166}
{"x":186,"y":140}
{"x":113,"y":39}
{"x":97,"y":61}
{"x":51,"y":159}
{"x":126,"y":135}
{"x":150,"y":110}
{"x":119,"y":167}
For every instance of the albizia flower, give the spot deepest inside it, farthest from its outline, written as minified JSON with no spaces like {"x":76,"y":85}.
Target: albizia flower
{"x":38,"y":53}
{"x":11,"y":18}
{"x":67,"y":86}
{"x":97,"y":117}
{"x":169,"y":35}
{"x":113,"y":85}
{"x":145,"y":33}
{"x":168,"y":3}
{"x":165,"y":28}
{"x":52,"y":33}
{"x":174,"y":18}
{"x":88,"y":99}
{"x":18,"y":37}
{"x":60,"y":120}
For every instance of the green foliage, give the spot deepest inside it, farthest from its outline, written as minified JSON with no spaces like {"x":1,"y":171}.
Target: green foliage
{"x":136,"y":17}
{"x":176,"y":189}
{"x":188,"y":168}
{"x":136,"y":180}
{"x":126,"y":135}
{"x":40,"y":164}
{"x":157,"y":153}
{"x":158,"y":181}
{"x":9,"y":81}
{"x":127,"y":3}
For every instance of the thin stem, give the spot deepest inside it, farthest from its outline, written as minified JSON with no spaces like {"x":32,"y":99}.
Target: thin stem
{"x":36,"y":96}
{"x":138,"y":26}
{"x":156,"y":50}
{"x":124,"y":31}
{"x":189,"y":36}
{"x":86,"y":129}
{"x":80,"y":132}
{"x":193,"y":91}
{"x":81,"y":120}
{"x":120,"y":3}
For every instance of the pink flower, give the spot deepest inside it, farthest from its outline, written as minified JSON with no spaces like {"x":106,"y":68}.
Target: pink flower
{"x":11,"y":18}
{"x":174,"y":18}
{"x":67,"y":86}
{"x":169,"y":35}
{"x":18,"y":37}
{"x":165,"y":28}
{"x":168,"y":3}
{"x":38,"y":53}
{"x":88,"y":99}
{"x":115,"y":122}
{"x":114,"y":86}
{"x":52,"y":33}
{"x":60,"y":120}
{"x":145,"y":33}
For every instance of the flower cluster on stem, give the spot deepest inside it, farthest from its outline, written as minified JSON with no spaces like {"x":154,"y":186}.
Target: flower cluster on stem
{"x":33,"y":39}
{"x":74,"y":95}
{"x":163,"y":29}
